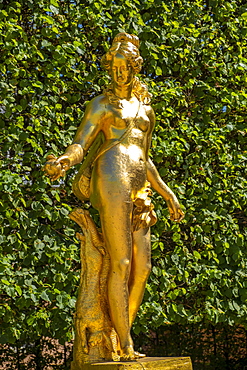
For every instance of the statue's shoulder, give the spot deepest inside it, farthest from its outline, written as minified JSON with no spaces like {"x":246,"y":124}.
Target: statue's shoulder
{"x":148,"y":107}
{"x":99,"y":101}
{"x":149,"y":110}
{"x":96,"y":106}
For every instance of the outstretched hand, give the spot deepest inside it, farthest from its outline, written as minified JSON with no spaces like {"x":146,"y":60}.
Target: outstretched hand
{"x":176,"y":213}
{"x":56,"y":167}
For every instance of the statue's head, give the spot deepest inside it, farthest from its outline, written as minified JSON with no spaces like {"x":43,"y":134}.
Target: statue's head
{"x":124,"y":46}
{"x":124,"y":57}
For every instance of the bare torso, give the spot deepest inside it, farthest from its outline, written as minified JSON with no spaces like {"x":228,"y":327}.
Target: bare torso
{"x":120,"y":171}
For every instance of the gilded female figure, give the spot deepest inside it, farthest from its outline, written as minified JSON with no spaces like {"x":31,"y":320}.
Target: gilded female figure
{"x":121,"y":176}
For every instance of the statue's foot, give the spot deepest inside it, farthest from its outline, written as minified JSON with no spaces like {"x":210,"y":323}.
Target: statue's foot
{"x":127,"y":354}
{"x":139,"y":355}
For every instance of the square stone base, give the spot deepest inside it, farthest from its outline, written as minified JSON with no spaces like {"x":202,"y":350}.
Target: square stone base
{"x":147,"y":363}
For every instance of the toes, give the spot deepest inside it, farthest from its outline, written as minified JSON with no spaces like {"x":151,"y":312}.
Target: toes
{"x":127,"y":354}
{"x":139,"y":355}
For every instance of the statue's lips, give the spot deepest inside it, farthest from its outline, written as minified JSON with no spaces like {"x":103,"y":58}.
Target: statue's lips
{"x":120,"y":80}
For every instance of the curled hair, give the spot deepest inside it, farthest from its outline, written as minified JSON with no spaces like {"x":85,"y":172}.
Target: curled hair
{"x":126,"y":45}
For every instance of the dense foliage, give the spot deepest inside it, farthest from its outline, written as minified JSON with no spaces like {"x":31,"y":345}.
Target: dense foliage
{"x":195,"y":66}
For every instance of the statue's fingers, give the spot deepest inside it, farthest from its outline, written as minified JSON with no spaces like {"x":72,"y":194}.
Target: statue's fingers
{"x":54,"y":177}
{"x":46,"y":173}
{"x":172,"y":215}
{"x":180,"y":216}
{"x":175,"y":217}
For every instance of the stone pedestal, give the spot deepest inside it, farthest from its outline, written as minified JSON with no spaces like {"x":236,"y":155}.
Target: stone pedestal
{"x":147,"y":363}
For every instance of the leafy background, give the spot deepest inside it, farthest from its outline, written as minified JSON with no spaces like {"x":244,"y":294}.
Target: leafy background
{"x":195,"y":65}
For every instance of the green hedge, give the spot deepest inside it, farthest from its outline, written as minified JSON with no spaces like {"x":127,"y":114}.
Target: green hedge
{"x":195,"y":67}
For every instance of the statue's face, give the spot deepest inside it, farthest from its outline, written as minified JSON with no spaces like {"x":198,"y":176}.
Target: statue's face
{"x":121,"y":72}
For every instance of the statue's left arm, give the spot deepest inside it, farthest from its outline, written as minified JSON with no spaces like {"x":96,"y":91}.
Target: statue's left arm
{"x":176,"y":213}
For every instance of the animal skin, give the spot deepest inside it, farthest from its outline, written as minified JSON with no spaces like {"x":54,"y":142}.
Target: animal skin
{"x":95,"y":336}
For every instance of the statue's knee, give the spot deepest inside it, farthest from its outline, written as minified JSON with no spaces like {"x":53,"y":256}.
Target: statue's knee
{"x":121,"y":267}
{"x":124,"y":265}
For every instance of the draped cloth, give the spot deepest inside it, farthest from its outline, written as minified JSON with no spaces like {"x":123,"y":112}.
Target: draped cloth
{"x":143,"y":213}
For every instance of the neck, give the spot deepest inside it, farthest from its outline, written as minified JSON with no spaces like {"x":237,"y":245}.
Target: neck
{"x":123,"y":92}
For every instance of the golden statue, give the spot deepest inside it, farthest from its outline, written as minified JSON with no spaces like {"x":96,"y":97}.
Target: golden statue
{"x":116,"y":131}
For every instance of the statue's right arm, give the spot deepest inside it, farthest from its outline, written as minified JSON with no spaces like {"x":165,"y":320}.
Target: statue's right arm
{"x":85,"y":136}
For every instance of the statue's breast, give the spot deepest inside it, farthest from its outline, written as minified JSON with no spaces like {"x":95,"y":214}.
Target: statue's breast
{"x":119,"y":122}
{"x":118,"y":119}
{"x":142,"y":122}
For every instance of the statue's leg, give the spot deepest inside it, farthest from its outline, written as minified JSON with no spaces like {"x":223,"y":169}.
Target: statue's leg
{"x":140,"y":270}
{"x":115,"y":218}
